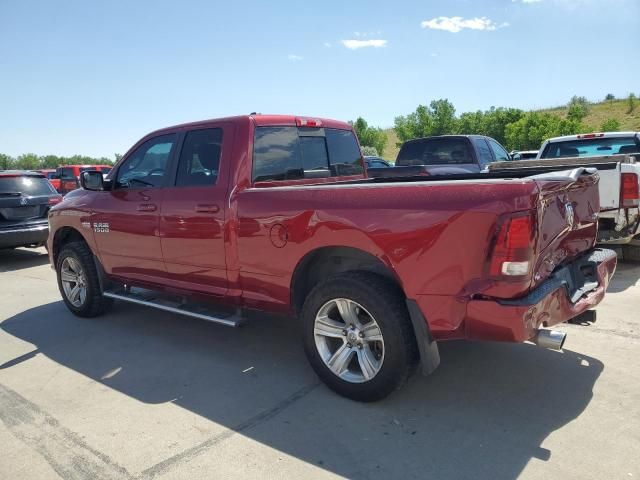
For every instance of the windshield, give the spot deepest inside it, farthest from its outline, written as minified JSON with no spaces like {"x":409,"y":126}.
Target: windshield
{"x":591,"y":147}
{"x":435,"y":151}
{"x":27,"y":186}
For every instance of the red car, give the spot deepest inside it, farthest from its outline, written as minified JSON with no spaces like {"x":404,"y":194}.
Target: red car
{"x":69,"y":175}
{"x":276,"y":213}
{"x":52,"y":176}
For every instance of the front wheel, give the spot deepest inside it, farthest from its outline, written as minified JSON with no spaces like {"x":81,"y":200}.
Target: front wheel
{"x":358,"y":336}
{"x":78,"y":281}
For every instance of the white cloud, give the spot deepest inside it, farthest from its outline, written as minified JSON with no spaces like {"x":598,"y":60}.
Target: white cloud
{"x":327,"y":44}
{"x":367,"y":34}
{"x":355,"y":44}
{"x":294,"y":58}
{"x":456,"y":24}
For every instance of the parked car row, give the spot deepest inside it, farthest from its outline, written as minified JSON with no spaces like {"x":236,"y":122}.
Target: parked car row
{"x":279,"y":214}
{"x":67,"y":178}
{"x":611,"y":154}
{"x":25,"y":199}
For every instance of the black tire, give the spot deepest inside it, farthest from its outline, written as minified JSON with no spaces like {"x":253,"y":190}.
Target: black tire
{"x":95,"y":303}
{"x":384,"y":301}
{"x":631,"y":253}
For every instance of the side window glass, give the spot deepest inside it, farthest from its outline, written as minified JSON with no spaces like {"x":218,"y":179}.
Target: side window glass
{"x":484,"y":154}
{"x":146,"y":167}
{"x":499,"y":152}
{"x":344,"y":154}
{"x":200,"y":157}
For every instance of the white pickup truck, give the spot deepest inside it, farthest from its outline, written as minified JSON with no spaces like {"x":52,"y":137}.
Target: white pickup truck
{"x":616,"y":156}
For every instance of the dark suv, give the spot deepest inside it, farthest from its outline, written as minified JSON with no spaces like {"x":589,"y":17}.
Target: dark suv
{"x":25,"y":199}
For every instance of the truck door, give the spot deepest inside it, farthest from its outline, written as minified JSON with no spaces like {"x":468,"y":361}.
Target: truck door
{"x":125,"y":219}
{"x":192,"y":219}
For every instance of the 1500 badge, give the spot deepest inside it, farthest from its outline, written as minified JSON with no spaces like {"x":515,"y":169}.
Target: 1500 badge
{"x":101,"y":227}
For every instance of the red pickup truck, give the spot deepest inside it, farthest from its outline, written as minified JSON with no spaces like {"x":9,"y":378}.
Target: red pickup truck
{"x":276,"y":213}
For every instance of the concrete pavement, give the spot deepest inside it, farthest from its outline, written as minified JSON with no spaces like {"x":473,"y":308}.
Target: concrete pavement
{"x":145,"y":394}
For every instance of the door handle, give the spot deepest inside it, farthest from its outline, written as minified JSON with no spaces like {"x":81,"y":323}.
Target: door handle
{"x":203,"y":208}
{"x":147,"y":207}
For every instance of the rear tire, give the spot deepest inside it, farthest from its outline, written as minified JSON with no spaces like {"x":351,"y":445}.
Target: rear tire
{"x":78,"y":281}
{"x":370,"y":351}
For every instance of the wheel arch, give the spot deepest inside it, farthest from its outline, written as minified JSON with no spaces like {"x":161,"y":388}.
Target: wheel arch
{"x":63,"y":236}
{"x":323,"y":262}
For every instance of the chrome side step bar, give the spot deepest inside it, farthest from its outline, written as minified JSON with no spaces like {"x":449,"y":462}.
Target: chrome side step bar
{"x":155,"y":300}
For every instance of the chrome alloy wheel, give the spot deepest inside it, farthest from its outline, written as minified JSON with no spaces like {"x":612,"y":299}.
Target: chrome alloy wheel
{"x":349,"y":340}
{"x":74,"y":281}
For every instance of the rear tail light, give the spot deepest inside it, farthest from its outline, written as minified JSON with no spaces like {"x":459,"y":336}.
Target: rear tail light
{"x":308,"y":122}
{"x":513,"y":246}
{"x":629,"y":190}
{"x":55,"y":200}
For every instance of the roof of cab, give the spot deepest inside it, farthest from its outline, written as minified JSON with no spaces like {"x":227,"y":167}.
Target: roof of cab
{"x":259,"y":119}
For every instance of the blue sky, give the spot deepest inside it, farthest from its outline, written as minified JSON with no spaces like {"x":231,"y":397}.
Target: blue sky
{"x":93,"y":77}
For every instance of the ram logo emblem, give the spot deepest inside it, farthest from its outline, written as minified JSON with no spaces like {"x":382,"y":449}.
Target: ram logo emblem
{"x":569,"y":214}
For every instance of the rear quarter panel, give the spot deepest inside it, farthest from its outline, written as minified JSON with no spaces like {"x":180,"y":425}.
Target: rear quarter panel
{"x":434,"y":236}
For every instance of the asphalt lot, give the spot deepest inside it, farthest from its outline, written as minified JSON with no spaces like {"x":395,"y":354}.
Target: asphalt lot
{"x":140,"y":393}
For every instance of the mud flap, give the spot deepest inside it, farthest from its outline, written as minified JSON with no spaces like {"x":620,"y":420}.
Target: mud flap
{"x":428,"y":347}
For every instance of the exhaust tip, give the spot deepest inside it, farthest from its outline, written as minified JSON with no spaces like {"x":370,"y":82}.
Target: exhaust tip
{"x":551,"y":339}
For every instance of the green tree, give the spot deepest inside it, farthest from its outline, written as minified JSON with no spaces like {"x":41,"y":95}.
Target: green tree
{"x":578,"y":108}
{"x":50,"y":161}
{"x":610,"y":97}
{"x":439,"y":118}
{"x":631,"y":102}
{"x":610,"y":125}
{"x":415,"y":125}
{"x":366,"y":150}
{"x":28,"y":161}
{"x":534,"y":128}
{"x":369,"y":136}
{"x":472,"y":123}
{"x":492,"y":122}
{"x":6,"y":162}
{"x":444,"y":117}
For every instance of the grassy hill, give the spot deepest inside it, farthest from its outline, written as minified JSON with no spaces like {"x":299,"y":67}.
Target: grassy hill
{"x":598,"y":113}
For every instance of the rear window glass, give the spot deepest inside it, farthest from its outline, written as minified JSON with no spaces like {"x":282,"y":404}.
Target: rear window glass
{"x":289,"y":153}
{"x":435,"y":151}
{"x":26,"y":186}
{"x":591,"y":147}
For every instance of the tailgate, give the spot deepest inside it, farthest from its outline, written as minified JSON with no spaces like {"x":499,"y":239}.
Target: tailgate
{"x":568,"y":206}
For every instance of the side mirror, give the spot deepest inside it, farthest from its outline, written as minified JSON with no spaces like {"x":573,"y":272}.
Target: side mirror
{"x":92,"y":180}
